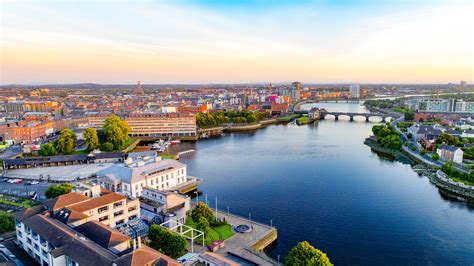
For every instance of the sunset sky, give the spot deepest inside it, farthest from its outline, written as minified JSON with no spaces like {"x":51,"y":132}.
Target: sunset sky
{"x":236,"y":41}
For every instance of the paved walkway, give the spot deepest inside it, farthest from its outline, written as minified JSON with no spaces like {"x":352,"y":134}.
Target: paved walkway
{"x":240,"y":243}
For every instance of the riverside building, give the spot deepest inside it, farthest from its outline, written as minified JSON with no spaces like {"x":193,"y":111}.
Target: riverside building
{"x":162,"y":124}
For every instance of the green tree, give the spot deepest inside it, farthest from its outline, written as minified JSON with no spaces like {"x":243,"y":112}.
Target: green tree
{"x":166,"y":241}
{"x":305,"y":254}
{"x":48,"y":149}
{"x":67,"y":141}
{"x":202,"y":211}
{"x":435,"y":156}
{"x":7,"y":223}
{"x":409,"y":115}
{"x":57,"y":190}
{"x":423,"y":152}
{"x":107,"y":147}
{"x":92,"y":139}
{"x":251,"y":118}
{"x":203,"y":225}
{"x":116,"y":131}
{"x":448,"y":139}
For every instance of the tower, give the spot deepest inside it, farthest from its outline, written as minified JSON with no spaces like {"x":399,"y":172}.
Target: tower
{"x":139,"y":89}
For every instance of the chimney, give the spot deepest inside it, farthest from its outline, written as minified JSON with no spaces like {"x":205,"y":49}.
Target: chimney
{"x":139,"y":240}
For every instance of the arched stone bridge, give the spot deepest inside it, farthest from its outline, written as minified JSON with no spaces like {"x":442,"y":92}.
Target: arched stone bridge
{"x":351,"y":115}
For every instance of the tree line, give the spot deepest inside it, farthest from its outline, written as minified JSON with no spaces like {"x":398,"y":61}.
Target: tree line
{"x":204,"y":120}
{"x":113,"y":136}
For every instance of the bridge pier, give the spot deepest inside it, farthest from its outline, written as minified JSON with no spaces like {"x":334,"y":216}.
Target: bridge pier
{"x":351,"y":118}
{"x":367,"y":119}
{"x":336,"y":117}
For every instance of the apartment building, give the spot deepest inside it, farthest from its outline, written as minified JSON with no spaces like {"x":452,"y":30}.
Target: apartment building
{"x":111,"y":209}
{"x":162,"y":124}
{"x":137,"y":173}
{"x":51,"y":242}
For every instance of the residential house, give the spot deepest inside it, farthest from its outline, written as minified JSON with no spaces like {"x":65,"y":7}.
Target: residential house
{"x":450,"y":154}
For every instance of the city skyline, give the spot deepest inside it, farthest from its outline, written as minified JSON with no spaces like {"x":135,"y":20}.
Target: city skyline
{"x":200,"y":42}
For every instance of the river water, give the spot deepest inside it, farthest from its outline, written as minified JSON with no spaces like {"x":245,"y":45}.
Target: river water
{"x":320,"y":183}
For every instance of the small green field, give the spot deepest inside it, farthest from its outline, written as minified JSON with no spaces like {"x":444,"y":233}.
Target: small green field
{"x":462,"y":181}
{"x":216,"y":233}
{"x":18,"y":202}
{"x":303,"y":119}
{"x":287,"y":118}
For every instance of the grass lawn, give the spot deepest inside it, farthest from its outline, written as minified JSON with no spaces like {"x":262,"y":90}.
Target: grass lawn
{"x":462,"y":181}
{"x":21,"y":203}
{"x":303,"y":119}
{"x":224,"y":230}
{"x":127,"y":143}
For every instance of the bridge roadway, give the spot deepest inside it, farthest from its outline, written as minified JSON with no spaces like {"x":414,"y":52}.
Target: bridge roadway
{"x":351,"y":115}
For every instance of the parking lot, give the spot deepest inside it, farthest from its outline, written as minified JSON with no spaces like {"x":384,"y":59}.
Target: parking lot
{"x":22,"y":190}
{"x":58,"y":173}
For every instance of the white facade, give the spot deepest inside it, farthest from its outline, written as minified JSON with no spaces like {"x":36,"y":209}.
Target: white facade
{"x":451,"y":156}
{"x":354,"y":91}
{"x":34,"y":245}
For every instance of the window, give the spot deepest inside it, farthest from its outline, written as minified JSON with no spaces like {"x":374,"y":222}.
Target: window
{"x":103,"y":218}
{"x":130,"y":209}
{"x":28,"y":240}
{"x":119,"y":222}
{"x":19,"y":234}
{"x":118,"y":204}
{"x":132,"y":217}
{"x":118,"y":213}
{"x":103,"y":209}
{"x":152,"y":182}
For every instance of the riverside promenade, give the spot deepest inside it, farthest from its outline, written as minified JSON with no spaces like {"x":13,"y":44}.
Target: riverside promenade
{"x":247,"y":247}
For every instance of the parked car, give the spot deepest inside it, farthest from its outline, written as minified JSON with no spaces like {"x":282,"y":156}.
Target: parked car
{"x":34,"y":183}
{"x":18,"y":181}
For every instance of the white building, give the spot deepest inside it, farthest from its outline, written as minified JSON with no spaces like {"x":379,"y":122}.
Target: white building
{"x":450,"y":154}
{"x":139,"y":172}
{"x":165,"y":205}
{"x":354,"y":91}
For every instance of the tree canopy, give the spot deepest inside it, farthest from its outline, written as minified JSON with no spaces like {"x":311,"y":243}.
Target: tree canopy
{"x":446,"y":138}
{"x":203,"y":225}
{"x":166,"y":241}
{"x":57,"y":190}
{"x":92,"y":139}
{"x":7,"y":222}
{"x":387,"y":137}
{"x":116,"y":131}
{"x":48,"y":149}
{"x":305,"y":254}
{"x":204,"y":120}
{"x":202,"y":211}
{"x":67,"y":141}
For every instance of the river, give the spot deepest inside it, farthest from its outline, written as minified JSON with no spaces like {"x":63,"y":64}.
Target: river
{"x":320,"y":183}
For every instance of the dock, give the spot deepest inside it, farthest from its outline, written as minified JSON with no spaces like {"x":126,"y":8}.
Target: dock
{"x":190,"y":185}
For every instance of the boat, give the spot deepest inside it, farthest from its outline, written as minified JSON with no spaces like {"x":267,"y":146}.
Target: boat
{"x":175,"y":142}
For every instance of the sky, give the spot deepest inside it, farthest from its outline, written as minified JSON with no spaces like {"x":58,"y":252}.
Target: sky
{"x":210,"y":41}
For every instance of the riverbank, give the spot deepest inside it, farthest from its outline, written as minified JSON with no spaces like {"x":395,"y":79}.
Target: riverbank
{"x":409,"y":156}
{"x":394,"y":154}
